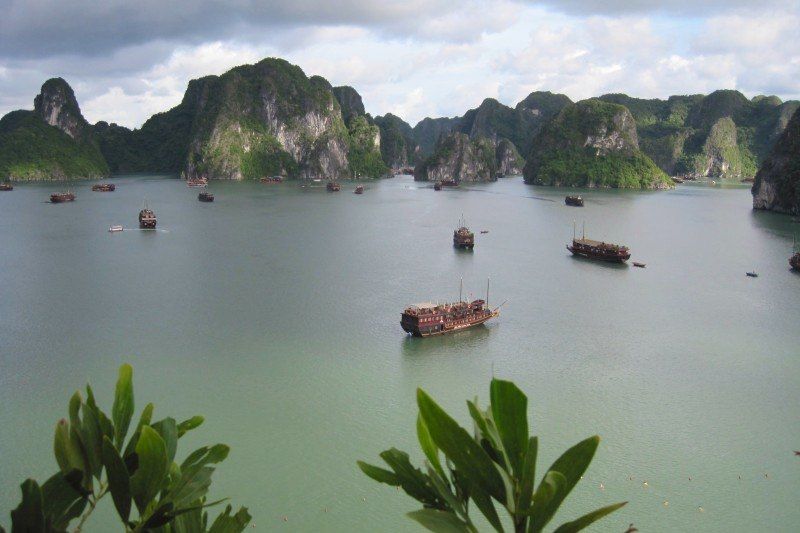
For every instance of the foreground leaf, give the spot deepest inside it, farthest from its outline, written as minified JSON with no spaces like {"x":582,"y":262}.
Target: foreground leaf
{"x":152,"y":455}
{"x":61,"y":503}
{"x":29,"y":514}
{"x":439,"y":521}
{"x":379,"y":474}
{"x":510,"y":413}
{"x":227,"y":523}
{"x":588,"y":519}
{"x":119,"y":482}
{"x":122,"y":411}
{"x":552,"y":486}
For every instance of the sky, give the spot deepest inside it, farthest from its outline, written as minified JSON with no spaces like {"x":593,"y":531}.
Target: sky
{"x":415,"y":58}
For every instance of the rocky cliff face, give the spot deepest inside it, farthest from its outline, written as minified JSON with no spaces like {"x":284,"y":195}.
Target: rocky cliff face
{"x":591,"y":144}
{"x":508,"y":160}
{"x":460,"y":158}
{"x":52,"y":142}
{"x":398,"y":147}
{"x":429,"y":131}
{"x":350,"y":102}
{"x":723,"y":135}
{"x":777,"y":184}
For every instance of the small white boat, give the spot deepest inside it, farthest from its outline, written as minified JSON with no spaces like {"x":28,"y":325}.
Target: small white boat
{"x":116,"y":228}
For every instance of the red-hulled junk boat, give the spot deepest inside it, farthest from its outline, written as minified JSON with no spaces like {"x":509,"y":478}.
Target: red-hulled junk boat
{"x":61,"y":197}
{"x":463,"y":237}
{"x":575,"y":201}
{"x":271,"y":179}
{"x":450,"y":182}
{"x":104,"y":187}
{"x":428,"y":319}
{"x":147,"y":219}
{"x":602,"y":251}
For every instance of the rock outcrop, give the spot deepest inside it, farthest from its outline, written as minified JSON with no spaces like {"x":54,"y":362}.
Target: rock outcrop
{"x":52,"y":142}
{"x":459,"y":158}
{"x":591,"y":144}
{"x":398,"y":147}
{"x":777,"y":184}
{"x":429,"y":131}
{"x":350,"y":102}
{"x":508,"y":160}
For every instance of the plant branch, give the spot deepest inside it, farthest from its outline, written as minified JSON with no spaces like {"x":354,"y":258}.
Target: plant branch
{"x":92,"y":504}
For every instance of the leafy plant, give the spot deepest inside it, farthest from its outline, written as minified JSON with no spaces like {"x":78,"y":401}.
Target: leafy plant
{"x":94,"y":460}
{"x":497,"y":464}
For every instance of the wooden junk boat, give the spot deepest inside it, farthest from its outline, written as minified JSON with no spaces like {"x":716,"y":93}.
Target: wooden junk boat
{"x":61,"y":197}
{"x":359,"y":189}
{"x":205,"y":196}
{"x":147,"y":219}
{"x":794,"y":261}
{"x":6,"y":187}
{"x":437,"y":186}
{"x":463,"y":237}
{"x":104,"y":187}
{"x":271,"y":179}
{"x":575,"y":201}
{"x":333,"y":186}
{"x":602,"y":251}
{"x":450,"y":182}
{"x":428,"y":319}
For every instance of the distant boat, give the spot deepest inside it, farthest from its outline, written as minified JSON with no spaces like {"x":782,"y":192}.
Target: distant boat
{"x":359,"y":189}
{"x":640,"y":265}
{"x":115,"y":228}
{"x":6,"y":187}
{"x":197,"y":182}
{"x":437,"y":186}
{"x":271,"y":179}
{"x":205,"y":196}
{"x":752,"y":274}
{"x":484,"y":231}
{"x":104,"y":187}
{"x":333,"y":186}
{"x":147,"y":219}
{"x":463,"y":237}
{"x":449,"y":182}
{"x":61,"y":197}
{"x":677,"y":180}
{"x":603,"y":251}
{"x":575,"y":201}
{"x":794,"y":261}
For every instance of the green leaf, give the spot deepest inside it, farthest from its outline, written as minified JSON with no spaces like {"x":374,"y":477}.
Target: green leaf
{"x":119,"y":482}
{"x":66,"y":448}
{"x":205,"y":455}
{"x":443,"y":489}
{"x":428,"y":446}
{"x":122,"y":411}
{"x":510,"y":413}
{"x":413,"y":481}
{"x":528,"y":475}
{"x":168,"y":430}
{"x":149,"y":476}
{"x":144,"y":420}
{"x":61,"y":503}
{"x":439,"y":521}
{"x":468,"y":457}
{"x":379,"y":474}
{"x":74,"y":409}
{"x":572,"y":464}
{"x":225,"y":523}
{"x":189,"y":424}
{"x":484,"y":503}
{"x":29,"y":514}
{"x":588,"y":519}
{"x":550,"y":489}
{"x":92,"y":437}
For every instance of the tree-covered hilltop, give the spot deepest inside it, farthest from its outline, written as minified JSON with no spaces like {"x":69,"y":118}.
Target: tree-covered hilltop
{"x":777,"y":184}
{"x":52,"y":142}
{"x":592,"y":144}
{"x":398,"y":145}
{"x":429,"y":131}
{"x":722,"y":135}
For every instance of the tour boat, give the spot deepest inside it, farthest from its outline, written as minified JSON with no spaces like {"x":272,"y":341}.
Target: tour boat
{"x":463,"y":237}
{"x":271,"y":179}
{"x":437,"y":186}
{"x":794,"y":261}
{"x":429,"y":319}
{"x":205,"y":196}
{"x":147,"y":219}
{"x":450,"y":182}
{"x":640,"y":265}
{"x":575,"y":201}
{"x":104,"y":187}
{"x":61,"y":197}
{"x":359,"y":189}
{"x":603,"y":251}
{"x":333,"y":186}
{"x":6,"y":187}
{"x":197,"y":182}
{"x":115,"y":228}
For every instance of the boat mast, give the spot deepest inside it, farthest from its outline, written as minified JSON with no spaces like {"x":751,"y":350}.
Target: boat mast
{"x":460,"y":288}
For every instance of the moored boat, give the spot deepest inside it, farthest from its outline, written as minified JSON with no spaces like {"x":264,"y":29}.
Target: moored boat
{"x":147,"y":219}
{"x":463,"y":237}
{"x":61,"y":197}
{"x":752,"y":274}
{"x":640,"y":265}
{"x":602,"y":251}
{"x":205,"y":196}
{"x":575,"y":201}
{"x":677,"y":180}
{"x":450,"y":182}
{"x":359,"y":189}
{"x":197,"y":182}
{"x":6,"y":187}
{"x":271,"y":179}
{"x":104,"y":187}
{"x":794,"y":261}
{"x":437,"y":186}
{"x":429,"y":319}
{"x":333,"y":186}
{"x":115,"y":228}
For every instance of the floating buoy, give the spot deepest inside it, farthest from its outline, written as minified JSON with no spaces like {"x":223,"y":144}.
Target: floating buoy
{"x":630,"y":478}
{"x":363,"y":498}
{"x":690,"y":478}
{"x":766,"y":476}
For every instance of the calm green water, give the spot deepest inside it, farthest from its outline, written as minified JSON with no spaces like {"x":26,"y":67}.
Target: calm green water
{"x":275,"y":313}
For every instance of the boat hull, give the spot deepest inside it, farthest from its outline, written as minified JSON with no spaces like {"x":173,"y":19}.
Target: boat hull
{"x":443,"y":329}
{"x":608,"y":258}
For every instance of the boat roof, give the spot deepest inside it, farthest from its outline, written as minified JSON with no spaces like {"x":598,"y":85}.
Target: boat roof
{"x":590,"y":242}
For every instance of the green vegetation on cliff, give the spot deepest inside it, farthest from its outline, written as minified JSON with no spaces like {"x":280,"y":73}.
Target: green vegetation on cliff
{"x":460,"y":158}
{"x":592,"y":144}
{"x":777,"y":183}
{"x":31,"y":149}
{"x":397,"y":141}
{"x":364,"y":154}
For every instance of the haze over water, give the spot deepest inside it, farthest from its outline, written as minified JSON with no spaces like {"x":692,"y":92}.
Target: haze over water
{"x":274,"y":312}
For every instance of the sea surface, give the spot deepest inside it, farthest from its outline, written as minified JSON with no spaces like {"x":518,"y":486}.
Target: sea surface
{"x":274,"y":312}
